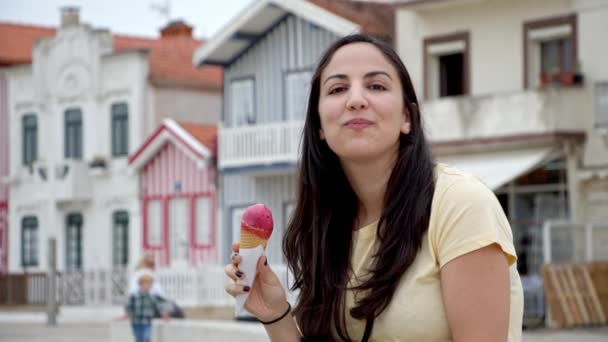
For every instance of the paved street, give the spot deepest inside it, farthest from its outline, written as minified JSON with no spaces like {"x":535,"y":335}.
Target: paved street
{"x":99,"y":332}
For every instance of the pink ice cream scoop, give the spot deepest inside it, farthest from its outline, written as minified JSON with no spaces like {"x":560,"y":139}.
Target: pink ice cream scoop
{"x":256,"y":226}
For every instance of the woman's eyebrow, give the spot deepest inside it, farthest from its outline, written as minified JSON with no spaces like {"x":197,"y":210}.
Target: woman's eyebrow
{"x":377,"y":73}
{"x":367,"y":75}
{"x":338,"y":76}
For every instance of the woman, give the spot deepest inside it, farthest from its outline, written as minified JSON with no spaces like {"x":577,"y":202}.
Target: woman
{"x":384,"y":244}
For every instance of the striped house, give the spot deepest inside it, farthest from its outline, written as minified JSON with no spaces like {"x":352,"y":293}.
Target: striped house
{"x":268,"y":52}
{"x":177,"y":175}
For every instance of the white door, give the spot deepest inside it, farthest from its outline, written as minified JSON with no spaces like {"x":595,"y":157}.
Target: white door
{"x":179,"y":221}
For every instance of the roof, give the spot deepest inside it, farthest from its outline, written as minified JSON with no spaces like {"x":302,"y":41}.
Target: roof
{"x":196,"y":140}
{"x":169,"y":57}
{"x":341,"y":17}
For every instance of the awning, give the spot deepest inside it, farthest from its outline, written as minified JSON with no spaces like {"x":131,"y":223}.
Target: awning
{"x":498,"y":168}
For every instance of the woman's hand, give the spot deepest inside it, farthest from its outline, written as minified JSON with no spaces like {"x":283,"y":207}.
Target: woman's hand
{"x":267,"y":299}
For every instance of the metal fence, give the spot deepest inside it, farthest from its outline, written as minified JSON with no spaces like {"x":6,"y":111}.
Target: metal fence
{"x":200,"y":286}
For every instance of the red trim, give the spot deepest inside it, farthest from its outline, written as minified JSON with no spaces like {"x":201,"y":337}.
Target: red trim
{"x":146,"y":144}
{"x":3,"y":205}
{"x":154,"y":135}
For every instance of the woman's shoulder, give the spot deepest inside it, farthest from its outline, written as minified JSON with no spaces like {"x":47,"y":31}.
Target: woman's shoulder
{"x":453,"y":183}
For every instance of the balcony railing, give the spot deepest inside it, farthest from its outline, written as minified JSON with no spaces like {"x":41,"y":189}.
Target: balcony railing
{"x":73,"y":181}
{"x":264,"y":144}
{"x":450,"y":119}
{"x":508,"y":114}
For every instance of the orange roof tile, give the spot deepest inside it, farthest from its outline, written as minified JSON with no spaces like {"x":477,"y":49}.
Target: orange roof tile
{"x":206,"y":134}
{"x":374,"y":18}
{"x":170,"y":57}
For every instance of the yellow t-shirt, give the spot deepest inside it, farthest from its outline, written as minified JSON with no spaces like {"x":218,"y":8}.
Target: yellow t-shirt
{"x":465,"y":216}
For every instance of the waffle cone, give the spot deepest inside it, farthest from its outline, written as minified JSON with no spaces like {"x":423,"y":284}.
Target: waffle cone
{"x":250,"y":240}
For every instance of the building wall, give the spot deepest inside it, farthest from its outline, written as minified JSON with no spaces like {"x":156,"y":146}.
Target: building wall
{"x":243,"y":190}
{"x":75,"y":69}
{"x":172,"y":175}
{"x":294,"y":44}
{"x":497,"y":71}
{"x":496,"y":29}
{"x":4,"y":172}
{"x":187,"y":105}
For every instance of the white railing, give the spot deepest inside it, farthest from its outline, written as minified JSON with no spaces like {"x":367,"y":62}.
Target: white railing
{"x":565,"y":241}
{"x":200,"y":286}
{"x":204,"y":286}
{"x":262,"y":144}
{"x":447,"y":119}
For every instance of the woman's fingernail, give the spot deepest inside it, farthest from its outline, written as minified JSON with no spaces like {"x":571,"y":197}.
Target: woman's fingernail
{"x":246,"y":288}
{"x":265,"y":261}
{"x":239,"y":274}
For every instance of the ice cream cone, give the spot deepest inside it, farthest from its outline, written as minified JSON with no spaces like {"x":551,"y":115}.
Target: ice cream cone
{"x":251,"y":240}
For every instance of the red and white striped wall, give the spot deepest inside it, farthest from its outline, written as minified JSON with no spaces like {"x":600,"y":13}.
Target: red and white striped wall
{"x":178,"y":197}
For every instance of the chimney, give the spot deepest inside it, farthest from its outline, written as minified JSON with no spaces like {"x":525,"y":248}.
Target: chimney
{"x":70,"y":16}
{"x":176,"y":28}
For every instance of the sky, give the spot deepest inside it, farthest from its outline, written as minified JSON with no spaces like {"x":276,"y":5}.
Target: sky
{"x":132,"y":17}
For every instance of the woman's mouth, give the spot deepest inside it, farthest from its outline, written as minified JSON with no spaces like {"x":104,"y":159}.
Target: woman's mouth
{"x":358,"y":123}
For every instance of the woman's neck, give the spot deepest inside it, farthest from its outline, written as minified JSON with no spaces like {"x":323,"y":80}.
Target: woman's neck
{"x":369,"y":180}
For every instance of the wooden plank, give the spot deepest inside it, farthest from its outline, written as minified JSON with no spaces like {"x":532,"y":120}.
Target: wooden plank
{"x":561,"y":300}
{"x":596,"y":302}
{"x":578,"y":294}
{"x":598,"y":272}
{"x":593,"y":314}
{"x":554,"y":312}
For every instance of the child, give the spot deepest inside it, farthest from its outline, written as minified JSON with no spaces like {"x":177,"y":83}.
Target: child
{"x":142,"y":307}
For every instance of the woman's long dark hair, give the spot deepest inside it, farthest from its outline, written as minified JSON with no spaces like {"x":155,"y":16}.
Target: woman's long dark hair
{"x":318,"y":241}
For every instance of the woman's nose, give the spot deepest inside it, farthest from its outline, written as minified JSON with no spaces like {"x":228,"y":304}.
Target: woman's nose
{"x":356,"y":99}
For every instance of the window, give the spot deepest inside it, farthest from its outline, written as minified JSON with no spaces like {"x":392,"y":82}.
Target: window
{"x":29,"y":241}
{"x":446,"y":65}
{"x":120,"y":238}
{"x":120,"y":129}
{"x":203,"y":221}
{"x":30,"y":138}
{"x":550,"y":51}
{"x":297,"y":86}
{"x":73,"y":134}
{"x":154,"y":223}
{"x":242,"y":104}
{"x":73,"y":242}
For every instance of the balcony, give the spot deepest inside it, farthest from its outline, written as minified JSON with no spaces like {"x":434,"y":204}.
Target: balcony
{"x":72,"y":181}
{"x":259,"y":145}
{"x":514,"y":114}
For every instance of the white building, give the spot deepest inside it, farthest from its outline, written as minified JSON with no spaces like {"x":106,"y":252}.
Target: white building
{"x":516,"y":91}
{"x":85,"y":103}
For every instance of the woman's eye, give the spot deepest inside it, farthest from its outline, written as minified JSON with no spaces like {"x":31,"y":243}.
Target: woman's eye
{"x":336,"y":90}
{"x":377,"y":87}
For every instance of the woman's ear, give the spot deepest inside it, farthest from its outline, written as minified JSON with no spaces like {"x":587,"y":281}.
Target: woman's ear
{"x":321,"y":134}
{"x":406,"y":126}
